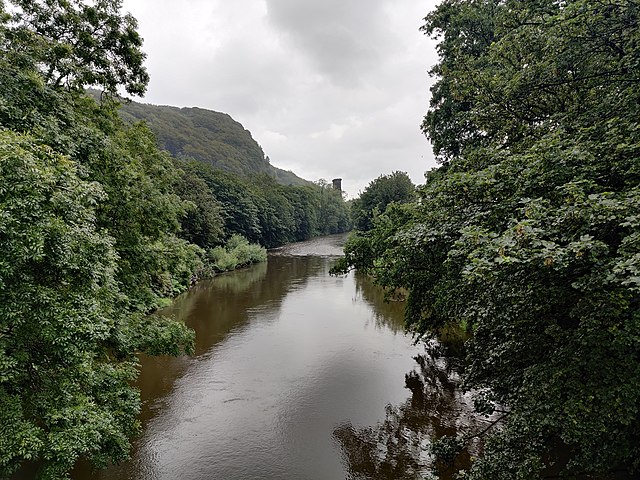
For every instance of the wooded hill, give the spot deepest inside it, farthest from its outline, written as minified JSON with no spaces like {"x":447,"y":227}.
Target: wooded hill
{"x":208,"y":136}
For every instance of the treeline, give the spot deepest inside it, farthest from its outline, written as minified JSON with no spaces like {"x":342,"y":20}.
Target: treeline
{"x":258,"y":208}
{"x":528,"y":234}
{"x":97,"y":228}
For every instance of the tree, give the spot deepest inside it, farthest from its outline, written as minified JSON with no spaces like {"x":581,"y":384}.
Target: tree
{"x":275,"y":212}
{"x":142,"y":213}
{"x":202,"y":224}
{"x":67,"y":349}
{"x":306,"y":204}
{"x":395,"y":187}
{"x":76,"y":45}
{"x":333,"y":213}
{"x":88,"y":245}
{"x":265,"y":212}
{"x":239,"y":211}
{"x":528,"y":233}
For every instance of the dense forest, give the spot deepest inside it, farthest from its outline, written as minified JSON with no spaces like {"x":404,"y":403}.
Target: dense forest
{"x":98,"y":227}
{"x":528,"y":234}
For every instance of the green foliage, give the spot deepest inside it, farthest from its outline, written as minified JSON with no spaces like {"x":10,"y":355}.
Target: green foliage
{"x":395,"y":187}
{"x":77,"y":45}
{"x":446,"y":448}
{"x":333,"y":214}
{"x":274,"y":211}
{"x":268,"y":213}
{"x":245,"y":252}
{"x":239,"y":212}
{"x":508,"y":71}
{"x":237,"y":253}
{"x":64,"y":366}
{"x":529,"y":232}
{"x":202,"y":223}
{"x":142,"y":213}
{"x":221,"y":260}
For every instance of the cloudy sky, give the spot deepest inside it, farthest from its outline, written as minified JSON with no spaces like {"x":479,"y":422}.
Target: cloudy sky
{"x":328,"y":88}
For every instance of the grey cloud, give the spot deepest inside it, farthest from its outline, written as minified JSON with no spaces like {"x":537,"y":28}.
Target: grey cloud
{"x":342,"y":39}
{"x":247,"y":78}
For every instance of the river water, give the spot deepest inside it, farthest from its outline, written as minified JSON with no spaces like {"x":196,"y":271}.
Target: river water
{"x":297,"y":375}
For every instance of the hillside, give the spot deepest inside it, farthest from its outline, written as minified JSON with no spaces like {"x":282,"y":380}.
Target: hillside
{"x":208,"y":136}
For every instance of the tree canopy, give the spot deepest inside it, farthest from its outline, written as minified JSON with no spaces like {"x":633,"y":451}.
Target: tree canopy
{"x":528,"y":233}
{"x":88,"y":238}
{"x":266,"y":212}
{"x":76,"y":45}
{"x":379,"y":194}
{"x":66,"y":344}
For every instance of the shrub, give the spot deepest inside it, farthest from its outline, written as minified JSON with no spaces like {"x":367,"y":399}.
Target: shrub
{"x":236,"y":254}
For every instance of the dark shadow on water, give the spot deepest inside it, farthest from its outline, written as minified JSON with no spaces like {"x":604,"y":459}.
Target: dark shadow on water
{"x":398,"y":447}
{"x":387,"y":313}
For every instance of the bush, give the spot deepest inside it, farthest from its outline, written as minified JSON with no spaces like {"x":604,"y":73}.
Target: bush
{"x":236,"y":254}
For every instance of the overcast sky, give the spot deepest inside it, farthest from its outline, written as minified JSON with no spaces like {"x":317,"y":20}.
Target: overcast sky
{"x":328,"y":88}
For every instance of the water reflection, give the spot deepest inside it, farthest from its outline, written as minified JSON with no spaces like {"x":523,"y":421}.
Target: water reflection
{"x":398,"y":446}
{"x":284,"y":353}
{"x":387,"y":313}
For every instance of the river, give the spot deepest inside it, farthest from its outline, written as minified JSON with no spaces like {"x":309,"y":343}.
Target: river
{"x":297,"y":375}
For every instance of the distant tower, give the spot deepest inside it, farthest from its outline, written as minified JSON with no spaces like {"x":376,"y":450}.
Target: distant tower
{"x":337,"y":184}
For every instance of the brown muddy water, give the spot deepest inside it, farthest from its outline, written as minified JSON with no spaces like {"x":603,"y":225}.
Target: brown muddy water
{"x":297,"y":375}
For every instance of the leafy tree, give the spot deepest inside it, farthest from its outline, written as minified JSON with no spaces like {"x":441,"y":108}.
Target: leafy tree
{"x":75,"y":45}
{"x":66,"y":346}
{"x":528,"y":233}
{"x":275,"y":212}
{"x":202,"y":224}
{"x":395,"y":187}
{"x":306,"y":204}
{"x":239,"y":211}
{"x":143,"y":214}
{"x":265,"y":212}
{"x":333,"y":215}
